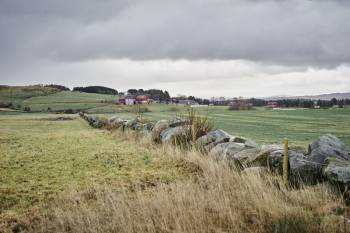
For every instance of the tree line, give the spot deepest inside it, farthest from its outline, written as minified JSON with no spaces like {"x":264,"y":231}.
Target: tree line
{"x":97,"y":90}
{"x":155,"y":94}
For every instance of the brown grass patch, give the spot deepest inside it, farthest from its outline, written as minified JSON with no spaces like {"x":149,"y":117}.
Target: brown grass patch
{"x":216,"y":199}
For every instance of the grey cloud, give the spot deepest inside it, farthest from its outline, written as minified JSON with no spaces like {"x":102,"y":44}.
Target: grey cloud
{"x":291,"y":32}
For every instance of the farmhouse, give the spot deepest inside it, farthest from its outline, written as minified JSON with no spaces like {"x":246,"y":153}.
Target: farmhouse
{"x":272,"y":104}
{"x":127,"y":100}
{"x":143,"y":99}
{"x":131,"y":100}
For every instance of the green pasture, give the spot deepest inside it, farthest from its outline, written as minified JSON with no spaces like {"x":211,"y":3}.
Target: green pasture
{"x":301,"y":126}
{"x":42,"y":155}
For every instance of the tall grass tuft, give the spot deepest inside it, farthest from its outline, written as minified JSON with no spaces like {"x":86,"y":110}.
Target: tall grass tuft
{"x":200,"y":125}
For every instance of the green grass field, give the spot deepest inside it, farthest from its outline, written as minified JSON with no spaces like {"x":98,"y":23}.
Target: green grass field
{"x":45,"y":155}
{"x":301,"y":126}
{"x":42,"y":156}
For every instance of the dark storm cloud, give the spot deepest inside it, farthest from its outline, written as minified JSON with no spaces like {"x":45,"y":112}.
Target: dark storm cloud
{"x":295,"y":32}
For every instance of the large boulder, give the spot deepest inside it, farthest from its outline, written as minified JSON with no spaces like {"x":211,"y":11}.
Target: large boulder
{"x":226,"y":150}
{"x":96,"y":124}
{"x":137,"y":126}
{"x":178,"y":122}
{"x":158,"y":129}
{"x":179,"y":135}
{"x":239,"y":154}
{"x":337,"y":171}
{"x":116,"y":122}
{"x":250,"y":157}
{"x":148,"y":126}
{"x":326,"y":147}
{"x":211,"y":139}
{"x":130,"y":124}
{"x":302,"y":169}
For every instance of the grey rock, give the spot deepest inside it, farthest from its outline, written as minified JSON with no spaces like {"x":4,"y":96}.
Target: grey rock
{"x":179,"y":135}
{"x":251,"y":143}
{"x":248,"y":142}
{"x":302,"y":169}
{"x":337,"y":171}
{"x":178,"y":122}
{"x":148,"y":126}
{"x":158,"y":128}
{"x":116,"y":122}
{"x":328,"y":146}
{"x":250,"y":157}
{"x":96,"y":124}
{"x":227,"y":150}
{"x":272,"y":147}
{"x":137,"y":126}
{"x":213,"y":138}
{"x":130,"y":124}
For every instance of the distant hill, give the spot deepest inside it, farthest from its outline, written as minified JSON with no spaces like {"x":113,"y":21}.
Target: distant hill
{"x":345,"y":95}
{"x":54,"y":98}
{"x":16,"y":94}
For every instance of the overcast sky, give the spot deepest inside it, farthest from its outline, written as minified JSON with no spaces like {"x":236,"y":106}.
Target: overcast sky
{"x":194,"y":47}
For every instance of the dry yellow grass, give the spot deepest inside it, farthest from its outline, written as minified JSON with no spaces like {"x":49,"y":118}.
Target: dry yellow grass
{"x":218,"y":199}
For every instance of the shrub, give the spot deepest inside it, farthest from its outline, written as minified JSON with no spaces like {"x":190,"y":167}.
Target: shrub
{"x":174,"y":109}
{"x":69,"y":111}
{"x":27,"y":109}
{"x":241,"y":106}
{"x":5,"y":105}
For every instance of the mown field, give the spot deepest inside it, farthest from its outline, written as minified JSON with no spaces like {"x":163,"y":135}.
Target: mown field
{"x":301,"y":126}
{"x":43,"y":155}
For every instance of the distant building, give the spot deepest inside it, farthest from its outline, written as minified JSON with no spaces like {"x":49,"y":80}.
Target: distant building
{"x":143,"y":99}
{"x":131,"y":100}
{"x":188,"y":102}
{"x":272,"y":104}
{"x":127,"y":100}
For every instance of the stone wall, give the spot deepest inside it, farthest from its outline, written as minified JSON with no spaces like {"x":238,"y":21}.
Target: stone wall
{"x":327,"y":158}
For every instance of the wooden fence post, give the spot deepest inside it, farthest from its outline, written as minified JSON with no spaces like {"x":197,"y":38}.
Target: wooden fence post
{"x":285,"y":163}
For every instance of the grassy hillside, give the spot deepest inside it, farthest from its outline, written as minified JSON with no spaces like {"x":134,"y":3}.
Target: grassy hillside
{"x":43,"y":155}
{"x":16,"y":94}
{"x":267,"y":126}
{"x":69,"y":100}
{"x":40,"y":99}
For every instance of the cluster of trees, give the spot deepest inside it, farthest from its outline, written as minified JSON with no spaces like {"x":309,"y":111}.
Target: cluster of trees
{"x":199,"y":100}
{"x":59,"y":87}
{"x":155,"y":94}
{"x":298,"y":103}
{"x":303,"y":103}
{"x":97,"y":89}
